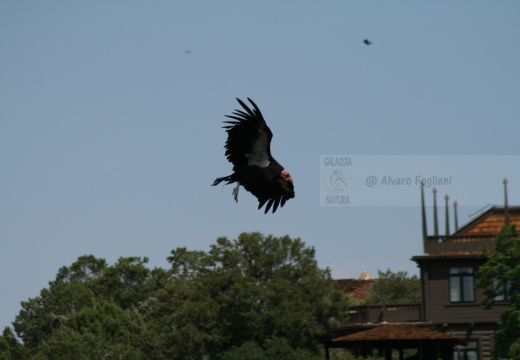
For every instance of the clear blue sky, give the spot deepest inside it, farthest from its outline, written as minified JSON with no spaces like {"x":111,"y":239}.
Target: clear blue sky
{"x":110,"y":122}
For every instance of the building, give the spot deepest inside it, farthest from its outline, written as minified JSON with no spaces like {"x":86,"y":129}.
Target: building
{"x":449,"y":271}
{"x":451,"y":307}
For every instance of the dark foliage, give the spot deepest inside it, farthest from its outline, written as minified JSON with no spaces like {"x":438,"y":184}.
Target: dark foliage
{"x":256,"y":292}
{"x":500,"y":276}
{"x":395,"y":288}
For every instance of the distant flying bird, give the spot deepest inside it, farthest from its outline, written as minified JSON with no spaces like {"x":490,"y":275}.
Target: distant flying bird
{"x":248,"y":148}
{"x":367,"y":42}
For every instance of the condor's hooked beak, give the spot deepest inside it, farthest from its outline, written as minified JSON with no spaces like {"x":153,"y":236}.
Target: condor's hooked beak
{"x":286,"y":176}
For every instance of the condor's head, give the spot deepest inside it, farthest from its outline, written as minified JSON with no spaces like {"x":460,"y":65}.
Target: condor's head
{"x":287,"y":183}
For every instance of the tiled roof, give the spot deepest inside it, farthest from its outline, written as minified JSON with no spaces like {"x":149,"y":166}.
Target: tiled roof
{"x":490,"y":221}
{"x":358,"y":289}
{"x":471,"y":239}
{"x":395,"y":332}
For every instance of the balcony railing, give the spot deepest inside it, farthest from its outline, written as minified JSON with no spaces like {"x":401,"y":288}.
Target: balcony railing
{"x":459,"y":245}
{"x":391,"y":313}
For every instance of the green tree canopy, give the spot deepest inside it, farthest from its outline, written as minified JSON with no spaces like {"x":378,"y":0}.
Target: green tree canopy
{"x":395,"y":288}
{"x":271,"y":349}
{"x":10,"y":347}
{"x":251,"y":289}
{"x":255,"y":292}
{"x":90,"y":308}
{"x":500,"y":276}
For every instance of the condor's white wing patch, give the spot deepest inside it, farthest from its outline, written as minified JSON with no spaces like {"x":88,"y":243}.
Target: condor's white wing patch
{"x":259,"y":155}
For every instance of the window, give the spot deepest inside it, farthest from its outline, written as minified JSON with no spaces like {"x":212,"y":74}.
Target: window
{"x":461,"y":284}
{"x":502,"y":291}
{"x":468,"y":352}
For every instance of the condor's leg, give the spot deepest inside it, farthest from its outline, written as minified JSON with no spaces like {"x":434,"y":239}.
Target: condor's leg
{"x":235,"y":191}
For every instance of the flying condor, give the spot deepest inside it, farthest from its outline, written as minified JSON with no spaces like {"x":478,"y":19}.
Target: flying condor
{"x":248,"y":148}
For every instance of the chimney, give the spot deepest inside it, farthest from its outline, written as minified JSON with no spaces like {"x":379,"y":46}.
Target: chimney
{"x":435,"y":220}
{"x":423,"y":213}
{"x":455,"y":214}
{"x":506,"y":209}
{"x":446,"y":198}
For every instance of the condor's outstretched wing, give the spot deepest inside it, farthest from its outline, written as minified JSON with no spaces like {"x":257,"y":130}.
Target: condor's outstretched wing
{"x":249,"y":138}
